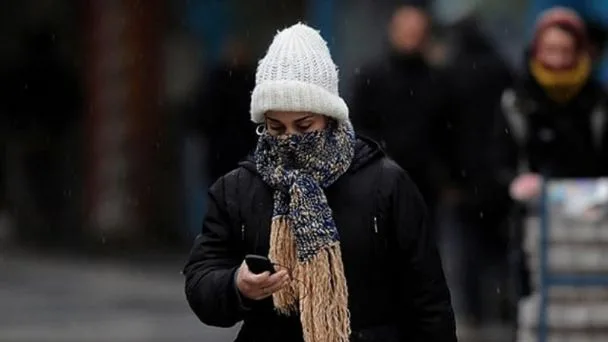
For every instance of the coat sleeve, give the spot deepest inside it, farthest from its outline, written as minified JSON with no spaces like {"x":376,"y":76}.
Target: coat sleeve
{"x":212,"y":264}
{"x":504,"y":158}
{"x":427,"y":312}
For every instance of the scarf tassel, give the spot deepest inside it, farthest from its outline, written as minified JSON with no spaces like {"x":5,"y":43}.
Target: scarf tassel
{"x":318,"y":288}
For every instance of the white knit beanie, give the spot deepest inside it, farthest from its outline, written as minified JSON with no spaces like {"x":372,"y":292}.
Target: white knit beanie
{"x":297,"y":74}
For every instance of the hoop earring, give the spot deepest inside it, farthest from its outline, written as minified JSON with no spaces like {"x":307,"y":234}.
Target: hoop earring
{"x":260,"y":130}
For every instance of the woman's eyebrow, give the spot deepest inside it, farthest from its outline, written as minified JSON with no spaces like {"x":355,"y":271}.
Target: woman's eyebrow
{"x":303,"y":118}
{"x":273,"y":120}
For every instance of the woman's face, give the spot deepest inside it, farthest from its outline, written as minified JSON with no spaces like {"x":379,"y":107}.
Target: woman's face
{"x":290,"y":123}
{"x":556,"y":48}
{"x":408,"y":30}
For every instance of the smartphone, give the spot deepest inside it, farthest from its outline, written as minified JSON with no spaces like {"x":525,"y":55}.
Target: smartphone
{"x":259,"y":264}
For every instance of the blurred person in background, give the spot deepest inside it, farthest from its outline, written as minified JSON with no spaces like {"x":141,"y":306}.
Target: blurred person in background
{"x":553,"y":122}
{"x":220,"y":110}
{"x":399,"y":101}
{"x":42,"y":105}
{"x":344,"y":225}
{"x":470,"y":222}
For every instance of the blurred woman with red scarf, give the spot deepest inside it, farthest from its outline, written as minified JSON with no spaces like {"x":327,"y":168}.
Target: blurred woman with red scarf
{"x":553,"y":122}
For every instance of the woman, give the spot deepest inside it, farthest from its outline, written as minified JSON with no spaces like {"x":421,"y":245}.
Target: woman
{"x":554,"y":122}
{"x":551,"y":124}
{"x":343,"y":223}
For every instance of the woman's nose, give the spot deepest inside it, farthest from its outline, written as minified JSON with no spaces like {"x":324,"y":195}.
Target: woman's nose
{"x":291,"y":131}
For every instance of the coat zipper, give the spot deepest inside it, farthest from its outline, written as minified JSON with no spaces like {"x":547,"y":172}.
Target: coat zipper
{"x":375,"y":224}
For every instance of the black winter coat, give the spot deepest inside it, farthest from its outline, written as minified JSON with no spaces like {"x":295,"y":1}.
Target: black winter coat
{"x":559,"y":141}
{"x":397,"y":290}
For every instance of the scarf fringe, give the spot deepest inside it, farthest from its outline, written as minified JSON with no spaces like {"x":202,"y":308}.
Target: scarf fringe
{"x":283,"y":252}
{"x":324,"y":301}
{"x":319,"y":287}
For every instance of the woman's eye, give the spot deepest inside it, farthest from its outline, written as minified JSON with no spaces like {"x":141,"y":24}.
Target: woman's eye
{"x":304,"y":127}
{"x":275,"y":128}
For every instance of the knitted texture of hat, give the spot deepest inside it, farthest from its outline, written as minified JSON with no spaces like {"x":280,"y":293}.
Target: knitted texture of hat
{"x":297,"y":74}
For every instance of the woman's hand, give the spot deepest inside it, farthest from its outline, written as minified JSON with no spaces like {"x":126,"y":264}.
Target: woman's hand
{"x":525,"y":187}
{"x":259,"y":286}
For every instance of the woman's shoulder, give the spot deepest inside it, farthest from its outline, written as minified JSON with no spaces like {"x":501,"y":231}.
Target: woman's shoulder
{"x":371,"y":161}
{"x":385,"y":173}
{"x":394,"y":174}
{"x":388,"y":182}
{"x":240,"y":181}
{"x":389,"y":166}
{"x":385,"y":168}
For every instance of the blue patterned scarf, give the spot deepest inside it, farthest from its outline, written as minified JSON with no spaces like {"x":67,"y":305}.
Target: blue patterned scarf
{"x":304,"y":236}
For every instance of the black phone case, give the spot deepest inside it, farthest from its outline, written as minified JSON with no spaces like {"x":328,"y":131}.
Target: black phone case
{"x":258,"y":264}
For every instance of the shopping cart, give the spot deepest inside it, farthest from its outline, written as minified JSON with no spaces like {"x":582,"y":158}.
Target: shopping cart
{"x":548,"y":278}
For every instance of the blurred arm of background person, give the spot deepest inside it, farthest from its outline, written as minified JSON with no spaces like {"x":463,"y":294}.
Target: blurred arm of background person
{"x":505,"y":153}
{"x":508,"y":149}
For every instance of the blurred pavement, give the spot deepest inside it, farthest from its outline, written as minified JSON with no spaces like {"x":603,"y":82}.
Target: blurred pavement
{"x":44,"y":299}
{"x":70,"y":299}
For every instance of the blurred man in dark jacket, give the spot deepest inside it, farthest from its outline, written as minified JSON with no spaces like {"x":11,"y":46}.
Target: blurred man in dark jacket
{"x":477,"y":77}
{"x":399,"y":101}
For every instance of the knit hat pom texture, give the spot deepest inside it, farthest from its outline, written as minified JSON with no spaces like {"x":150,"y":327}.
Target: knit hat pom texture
{"x":297,"y":74}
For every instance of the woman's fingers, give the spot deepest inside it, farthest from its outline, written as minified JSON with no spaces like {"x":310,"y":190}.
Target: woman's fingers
{"x":260,"y":286}
{"x":276,"y":282}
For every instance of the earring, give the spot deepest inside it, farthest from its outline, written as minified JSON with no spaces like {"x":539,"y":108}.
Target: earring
{"x":260,"y":130}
